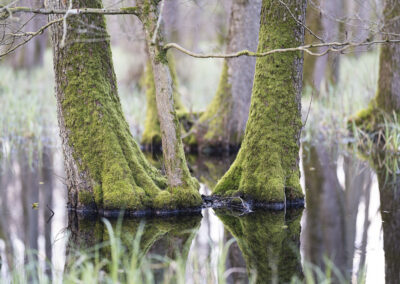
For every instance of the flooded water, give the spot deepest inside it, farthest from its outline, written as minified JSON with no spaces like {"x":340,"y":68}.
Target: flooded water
{"x":350,"y":226}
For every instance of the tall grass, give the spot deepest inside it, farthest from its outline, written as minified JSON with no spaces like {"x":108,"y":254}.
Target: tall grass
{"x":121,"y":264}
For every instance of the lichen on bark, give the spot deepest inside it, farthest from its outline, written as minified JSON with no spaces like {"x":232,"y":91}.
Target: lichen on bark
{"x":267,"y":166}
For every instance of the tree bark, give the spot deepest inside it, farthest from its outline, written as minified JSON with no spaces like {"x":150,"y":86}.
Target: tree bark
{"x":151,"y":137}
{"x":181,"y":184}
{"x":267,"y":164}
{"x":105,"y":168}
{"x":222,"y":125}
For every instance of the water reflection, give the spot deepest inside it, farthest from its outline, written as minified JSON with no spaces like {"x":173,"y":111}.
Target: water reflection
{"x":269,"y":242}
{"x":335,"y":186}
{"x":352,"y":218}
{"x":389,"y":188}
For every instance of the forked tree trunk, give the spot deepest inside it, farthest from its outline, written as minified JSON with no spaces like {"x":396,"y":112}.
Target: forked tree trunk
{"x":183,"y":186}
{"x":223,"y":123}
{"x":268,"y":161}
{"x":105,"y":167}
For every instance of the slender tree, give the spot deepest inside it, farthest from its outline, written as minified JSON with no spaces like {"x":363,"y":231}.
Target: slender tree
{"x":223,"y":123}
{"x":387,"y":99}
{"x":267,"y":165}
{"x":151,"y":137}
{"x":105,"y":167}
{"x":180,"y":181}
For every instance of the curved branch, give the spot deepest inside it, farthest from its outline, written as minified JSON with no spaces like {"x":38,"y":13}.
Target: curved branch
{"x":333,"y":47}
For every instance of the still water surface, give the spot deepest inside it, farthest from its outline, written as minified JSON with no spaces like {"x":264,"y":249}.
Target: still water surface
{"x":351,"y":222}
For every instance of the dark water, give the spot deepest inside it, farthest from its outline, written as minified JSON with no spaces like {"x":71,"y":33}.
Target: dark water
{"x":351,"y":223}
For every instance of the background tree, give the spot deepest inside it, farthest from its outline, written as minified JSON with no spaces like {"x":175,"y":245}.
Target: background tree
{"x":223,"y":123}
{"x":387,"y":99}
{"x":267,"y":165}
{"x":29,"y":55}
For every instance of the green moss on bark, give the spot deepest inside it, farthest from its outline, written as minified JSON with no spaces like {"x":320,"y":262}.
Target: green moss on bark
{"x":114,"y":170}
{"x":267,"y":164}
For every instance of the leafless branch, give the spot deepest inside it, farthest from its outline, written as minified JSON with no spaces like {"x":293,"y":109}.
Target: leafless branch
{"x":159,"y":20}
{"x":30,"y":35}
{"x":332,"y":47}
{"x":6,"y":11}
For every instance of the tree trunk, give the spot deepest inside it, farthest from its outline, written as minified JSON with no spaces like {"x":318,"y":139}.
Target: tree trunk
{"x":390,"y":210}
{"x":181,"y":184}
{"x":105,"y":167}
{"x":326,"y":68}
{"x":151,"y":137}
{"x":223,"y":123}
{"x":268,"y":161}
{"x":387,"y":99}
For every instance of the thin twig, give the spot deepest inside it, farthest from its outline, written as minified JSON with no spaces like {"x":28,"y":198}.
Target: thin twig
{"x":153,"y":41}
{"x":30,"y":36}
{"x":309,"y":108}
{"x":301,"y":23}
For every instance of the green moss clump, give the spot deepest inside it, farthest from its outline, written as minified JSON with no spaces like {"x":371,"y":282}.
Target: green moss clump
{"x":268,"y":161}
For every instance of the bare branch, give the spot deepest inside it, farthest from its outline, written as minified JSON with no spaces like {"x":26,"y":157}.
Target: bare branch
{"x":6,"y":11}
{"x":153,"y":41}
{"x":30,"y":35}
{"x":333,"y":47}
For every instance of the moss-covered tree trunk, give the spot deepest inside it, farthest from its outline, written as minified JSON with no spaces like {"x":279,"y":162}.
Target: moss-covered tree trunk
{"x":180,"y":181}
{"x":222,"y":125}
{"x":105,"y":168}
{"x":387,"y":99}
{"x":268,"y":161}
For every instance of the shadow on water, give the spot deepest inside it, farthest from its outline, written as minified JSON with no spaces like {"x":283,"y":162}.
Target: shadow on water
{"x":352,"y":218}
